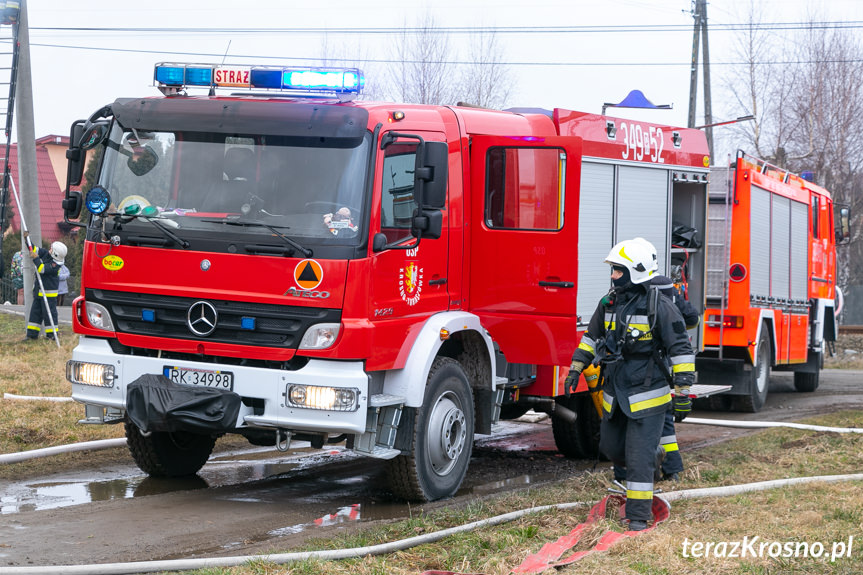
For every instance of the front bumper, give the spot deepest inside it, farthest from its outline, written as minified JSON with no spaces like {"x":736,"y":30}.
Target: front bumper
{"x":263,"y":390}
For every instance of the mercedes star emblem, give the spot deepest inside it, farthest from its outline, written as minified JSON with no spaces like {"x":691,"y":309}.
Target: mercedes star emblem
{"x":202,"y":318}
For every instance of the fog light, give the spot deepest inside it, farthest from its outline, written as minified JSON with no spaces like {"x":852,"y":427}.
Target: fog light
{"x":97,"y":374}
{"x":319,"y":397}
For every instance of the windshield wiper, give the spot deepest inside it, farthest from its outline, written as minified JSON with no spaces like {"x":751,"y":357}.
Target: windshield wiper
{"x":159,"y":226}
{"x":303,"y":250}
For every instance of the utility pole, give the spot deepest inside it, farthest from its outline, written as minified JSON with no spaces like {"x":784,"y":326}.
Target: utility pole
{"x":28,"y":182}
{"x":699,"y":32}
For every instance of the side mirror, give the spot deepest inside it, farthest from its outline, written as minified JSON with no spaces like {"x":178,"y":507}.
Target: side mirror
{"x":427,"y":224}
{"x":75,"y":156}
{"x":93,"y":135}
{"x":843,"y":226}
{"x":431,"y":174}
{"x":72,"y":205}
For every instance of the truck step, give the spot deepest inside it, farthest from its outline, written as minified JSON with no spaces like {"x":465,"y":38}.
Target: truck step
{"x":384,"y":399}
{"x":382,"y":453}
{"x":500,"y":381}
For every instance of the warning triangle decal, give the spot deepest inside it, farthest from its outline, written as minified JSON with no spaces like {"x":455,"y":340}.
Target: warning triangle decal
{"x":308,"y":274}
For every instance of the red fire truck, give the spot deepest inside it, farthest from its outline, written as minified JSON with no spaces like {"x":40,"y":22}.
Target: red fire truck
{"x":285,"y":262}
{"x":771,"y":280}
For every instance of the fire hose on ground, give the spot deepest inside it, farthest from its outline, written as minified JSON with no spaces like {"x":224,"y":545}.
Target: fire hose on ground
{"x":383,"y":548}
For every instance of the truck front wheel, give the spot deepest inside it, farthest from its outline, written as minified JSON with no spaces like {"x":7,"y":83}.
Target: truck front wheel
{"x":442,"y":439}
{"x":169,"y":454}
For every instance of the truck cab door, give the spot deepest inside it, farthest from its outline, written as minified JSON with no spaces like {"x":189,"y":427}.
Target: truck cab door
{"x":406,"y":285}
{"x":523,"y":264}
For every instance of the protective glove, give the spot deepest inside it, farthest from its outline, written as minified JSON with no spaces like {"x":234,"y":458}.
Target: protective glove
{"x":608,"y":299}
{"x":572,"y":379}
{"x":681,"y":404}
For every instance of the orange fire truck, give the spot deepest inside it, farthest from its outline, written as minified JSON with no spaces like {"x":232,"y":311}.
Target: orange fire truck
{"x":286,"y":262}
{"x":771,"y":280}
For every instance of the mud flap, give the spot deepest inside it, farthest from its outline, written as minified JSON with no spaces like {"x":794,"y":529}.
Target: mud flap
{"x":154,"y":403}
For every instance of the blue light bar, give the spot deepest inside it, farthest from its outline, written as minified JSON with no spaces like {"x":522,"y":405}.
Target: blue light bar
{"x":170,"y":75}
{"x":148,"y":315}
{"x":318,"y":79}
{"x":292,"y":79}
{"x":199,"y":76}
{"x":266,"y":78}
{"x":247,"y":323}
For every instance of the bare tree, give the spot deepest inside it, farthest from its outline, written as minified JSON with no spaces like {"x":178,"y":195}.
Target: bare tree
{"x":485,"y":81}
{"x":332,"y":54}
{"x":805,"y":92}
{"x":422,"y":73}
{"x":761,"y":89}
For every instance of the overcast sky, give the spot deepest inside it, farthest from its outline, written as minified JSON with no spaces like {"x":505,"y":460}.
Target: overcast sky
{"x":75,"y":71}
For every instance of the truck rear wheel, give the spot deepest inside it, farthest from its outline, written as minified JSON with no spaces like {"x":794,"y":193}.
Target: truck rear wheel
{"x":579,"y":440}
{"x":759,"y":377}
{"x":442,"y":440}
{"x":169,"y":454}
{"x":807,"y":382}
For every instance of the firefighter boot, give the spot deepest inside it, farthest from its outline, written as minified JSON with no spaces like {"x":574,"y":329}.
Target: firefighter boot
{"x":636,"y":525}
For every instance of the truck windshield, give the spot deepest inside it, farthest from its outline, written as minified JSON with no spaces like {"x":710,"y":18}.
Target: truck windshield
{"x":194,"y":181}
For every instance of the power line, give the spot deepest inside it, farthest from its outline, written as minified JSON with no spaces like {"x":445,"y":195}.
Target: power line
{"x":258,"y":57}
{"x":770,"y":26}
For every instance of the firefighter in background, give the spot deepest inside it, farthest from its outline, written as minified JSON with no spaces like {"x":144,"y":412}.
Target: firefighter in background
{"x":632,"y":334}
{"x":672,"y":465}
{"x":48,"y":264}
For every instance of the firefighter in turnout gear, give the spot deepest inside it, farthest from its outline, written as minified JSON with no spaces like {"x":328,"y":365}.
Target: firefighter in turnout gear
{"x":634,"y":334}
{"x":48,"y":264}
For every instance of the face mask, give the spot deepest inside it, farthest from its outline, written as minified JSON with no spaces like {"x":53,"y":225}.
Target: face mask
{"x":623,"y":280}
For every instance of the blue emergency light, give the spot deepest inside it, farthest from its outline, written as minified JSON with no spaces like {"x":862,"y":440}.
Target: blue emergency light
{"x":290,"y":78}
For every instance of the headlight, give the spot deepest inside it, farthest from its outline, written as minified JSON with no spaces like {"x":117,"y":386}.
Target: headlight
{"x":320,"y":336}
{"x":318,"y":397}
{"x":90,"y":373}
{"x":98,"y":316}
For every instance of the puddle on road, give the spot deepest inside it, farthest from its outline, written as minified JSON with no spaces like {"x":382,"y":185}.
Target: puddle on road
{"x":224,"y":469}
{"x":240,"y":467}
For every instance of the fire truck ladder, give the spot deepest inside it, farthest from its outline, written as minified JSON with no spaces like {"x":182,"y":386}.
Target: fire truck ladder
{"x":8,"y":65}
{"x":719,"y":241}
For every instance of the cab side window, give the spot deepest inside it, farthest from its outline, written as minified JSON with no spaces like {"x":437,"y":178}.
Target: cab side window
{"x":525,"y":188}
{"x":816,"y":215}
{"x":397,"y":190}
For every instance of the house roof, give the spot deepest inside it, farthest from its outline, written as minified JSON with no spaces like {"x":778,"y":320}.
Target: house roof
{"x":53,"y":139}
{"x":50,"y":195}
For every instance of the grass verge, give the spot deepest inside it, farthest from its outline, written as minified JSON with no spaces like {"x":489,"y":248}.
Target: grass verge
{"x":810,"y":515}
{"x":827,"y":514}
{"x":38,"y":368}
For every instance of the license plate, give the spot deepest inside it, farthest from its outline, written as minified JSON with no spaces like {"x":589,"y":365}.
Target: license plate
{"x":203,"y":377}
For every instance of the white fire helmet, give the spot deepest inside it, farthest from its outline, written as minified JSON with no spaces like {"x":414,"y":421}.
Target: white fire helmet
{"x":637,"y":255}
{"x":58,"y":252}
{"x":652,"y":249}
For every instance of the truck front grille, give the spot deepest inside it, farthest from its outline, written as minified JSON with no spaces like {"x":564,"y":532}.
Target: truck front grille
{"x":274,"y":325}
